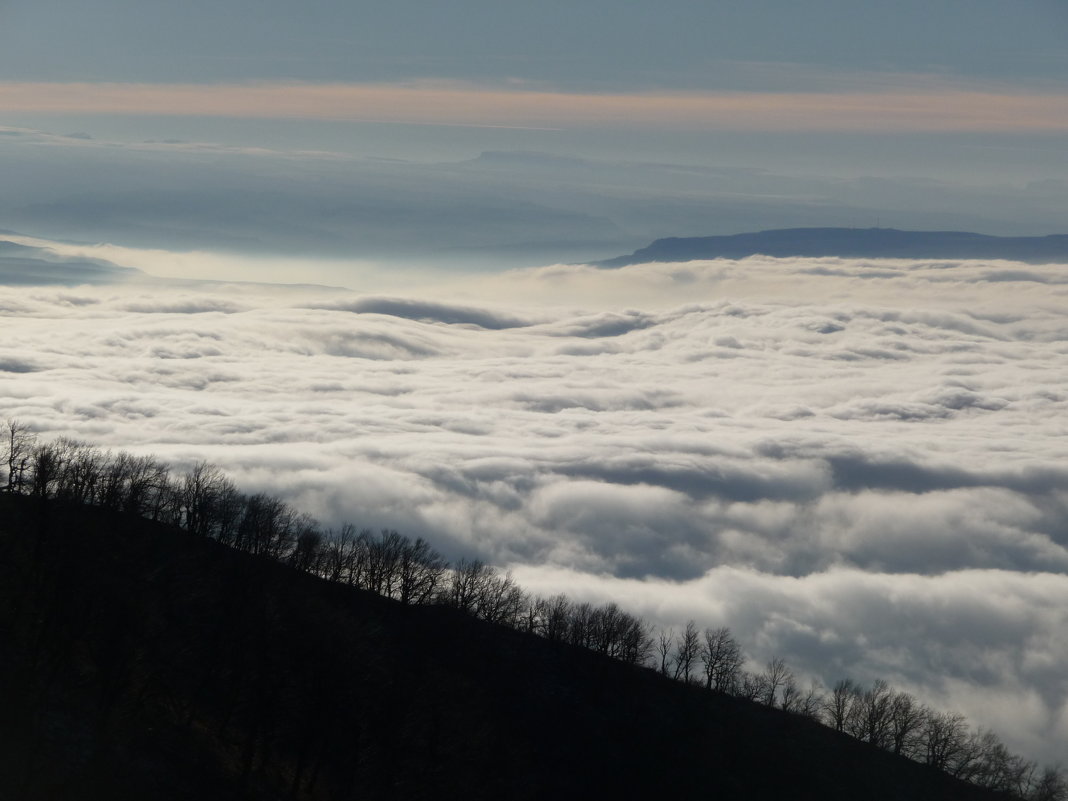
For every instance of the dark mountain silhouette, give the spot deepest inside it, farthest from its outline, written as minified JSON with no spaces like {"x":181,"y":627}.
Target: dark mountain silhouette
{"x":852,"y":243}
{"x":140,"y":661}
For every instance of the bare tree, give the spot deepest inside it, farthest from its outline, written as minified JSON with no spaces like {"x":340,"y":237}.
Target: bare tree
{"x":944,"y":736}
{"x":335,"y":553}
{"x":421,"y":571}
{"x":811,"y":701}
{"x":45,"y":468}
{"x":837,"y":706}
{"x":776,"y":676}
{"x":19,"y":442}
{"x":906,"y":721}
{"x":307,"y":554}
{"x":607,"y":625}
{"x":722,"y":659}
{"x":266,"y":528}
{"x":197,"y":497}
{"x":135,"y":484}
{"x":500,"y":600}
{"x":466,"y":588}
{"x":790,"y":696}
{"x":1051,"y":785}
{"x":665,"y":640}
{"x":139,"y":485}
{"x":346,"y":555}
{"x":81,"y":467}
{"x":580,"y":625}
{"x":872,"y":724}
{"x":636,"y":644}
{"x":751,"y":686}
{"x":358,"y":559}
{"x":687,"y":649}
{"x":967,"y":762}
{"x":384,"y":555}
{"x":990,"y":764}
{"x":557,"y":614}
{"x":228,"y":507}
{"x":535,"y":611}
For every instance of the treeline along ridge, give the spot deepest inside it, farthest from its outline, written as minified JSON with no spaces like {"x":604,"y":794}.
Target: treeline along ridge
{"x":204,"y":504}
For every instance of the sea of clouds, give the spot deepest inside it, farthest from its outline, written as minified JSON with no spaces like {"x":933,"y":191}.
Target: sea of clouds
{"x":859,"y":466}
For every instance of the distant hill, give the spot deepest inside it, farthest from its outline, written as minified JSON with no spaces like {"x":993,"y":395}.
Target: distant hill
{"x":31,"y":265}
{"x":852,"y":243}
{"x":140,"y":661}
{"x":25,"y":265}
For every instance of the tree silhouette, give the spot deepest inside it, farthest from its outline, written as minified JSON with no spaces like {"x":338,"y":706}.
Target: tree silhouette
{"x":775,"y":677}
{"x":906,"y":721}
{"x":944,"y":738}
{"x":687,"y":650}
{"x":838,"y":705}
{"x":722,"y":658}
{"x":18,"y":445}
{"x":665,"y":642}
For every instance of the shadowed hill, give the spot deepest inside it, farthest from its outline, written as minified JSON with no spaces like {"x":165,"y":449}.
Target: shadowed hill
{"x":852,"y":243}
{"x":142,"y":662}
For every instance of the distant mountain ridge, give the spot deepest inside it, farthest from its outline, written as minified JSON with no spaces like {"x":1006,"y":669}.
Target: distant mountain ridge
{"x":852,"y":243}
{"x":39,"y":265}
{"x":26,"y":265}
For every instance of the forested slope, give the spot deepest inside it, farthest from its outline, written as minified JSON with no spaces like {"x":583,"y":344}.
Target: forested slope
{"x":142,"y":662}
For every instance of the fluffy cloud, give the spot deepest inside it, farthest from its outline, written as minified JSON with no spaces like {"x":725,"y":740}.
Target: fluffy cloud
{"x":865,"y":475}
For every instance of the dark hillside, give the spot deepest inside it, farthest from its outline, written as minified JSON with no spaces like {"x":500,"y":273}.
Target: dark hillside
{"x":141,"y":662}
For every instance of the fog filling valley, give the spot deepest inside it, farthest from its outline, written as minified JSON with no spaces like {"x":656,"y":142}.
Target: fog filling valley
{"x":858,"y":466}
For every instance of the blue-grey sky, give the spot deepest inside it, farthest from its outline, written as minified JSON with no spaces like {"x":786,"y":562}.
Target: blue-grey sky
{"x":590,"y":44}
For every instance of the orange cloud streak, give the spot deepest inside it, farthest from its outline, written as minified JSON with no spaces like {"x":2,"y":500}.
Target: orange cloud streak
{"x":457,"y":104}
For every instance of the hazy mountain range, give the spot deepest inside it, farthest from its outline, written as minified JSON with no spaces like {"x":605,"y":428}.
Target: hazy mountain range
{"x":36,"y":266}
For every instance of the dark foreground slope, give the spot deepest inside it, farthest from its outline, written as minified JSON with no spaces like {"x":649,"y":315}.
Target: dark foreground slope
{"x":141,"y":663}
{"x":852,"y":243}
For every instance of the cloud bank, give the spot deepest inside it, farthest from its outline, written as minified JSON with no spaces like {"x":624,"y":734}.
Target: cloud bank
{"x":857,"y":465}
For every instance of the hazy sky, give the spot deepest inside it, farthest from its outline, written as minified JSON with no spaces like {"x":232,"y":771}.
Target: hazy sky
{"x":247,"y":126}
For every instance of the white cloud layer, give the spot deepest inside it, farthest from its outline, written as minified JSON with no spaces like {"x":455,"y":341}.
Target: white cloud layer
{"x":859,"y":466}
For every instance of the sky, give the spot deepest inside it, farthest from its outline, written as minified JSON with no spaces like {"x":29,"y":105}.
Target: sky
{"x":339,"y":253}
